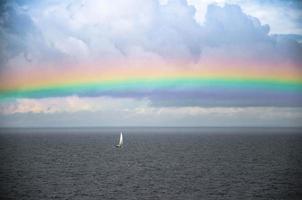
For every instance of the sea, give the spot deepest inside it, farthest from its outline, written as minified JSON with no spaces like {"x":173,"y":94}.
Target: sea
{"x":154,"y":163}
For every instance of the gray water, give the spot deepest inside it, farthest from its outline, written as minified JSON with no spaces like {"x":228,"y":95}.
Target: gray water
{"x":155,"y":163}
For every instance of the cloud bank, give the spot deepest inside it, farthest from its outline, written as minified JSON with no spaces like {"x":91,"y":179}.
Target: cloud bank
{"x":106,"y":111}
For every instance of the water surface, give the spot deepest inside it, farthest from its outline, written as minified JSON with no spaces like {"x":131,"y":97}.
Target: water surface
{"x":155,"y":163}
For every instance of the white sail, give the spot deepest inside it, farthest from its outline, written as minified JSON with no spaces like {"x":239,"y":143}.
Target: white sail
{"x":121,"y":140}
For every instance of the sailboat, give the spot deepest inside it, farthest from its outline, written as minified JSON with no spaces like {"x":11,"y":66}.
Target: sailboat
{"x":120,"y":144}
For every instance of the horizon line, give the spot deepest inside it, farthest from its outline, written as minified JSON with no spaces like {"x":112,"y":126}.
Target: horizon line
{"x":62,"y":127}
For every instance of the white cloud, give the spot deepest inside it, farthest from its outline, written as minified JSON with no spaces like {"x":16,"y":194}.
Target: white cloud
{"x":106,"y":111}
{"x":261,"y":113}
{"x":70,"y":104}
{"x":72,"y":47}
{"x":282,"y":16}
{"x":86,"y":31}
{"x":77,"y":31}
{"x":201,"y":8}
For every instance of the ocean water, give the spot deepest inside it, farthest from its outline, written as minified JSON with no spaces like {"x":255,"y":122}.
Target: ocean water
{"x":155,"y":163}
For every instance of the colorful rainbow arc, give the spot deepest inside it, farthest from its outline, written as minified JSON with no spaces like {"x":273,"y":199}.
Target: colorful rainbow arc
{"x":93,"y":88}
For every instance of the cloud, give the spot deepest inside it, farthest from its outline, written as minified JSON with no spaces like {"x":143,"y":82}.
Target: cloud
{"x":284,"y":17}
{"x":70,"y":104}
{"x":14,"y":28}
{"x":101,"y":30}
{"x":232,"y":34}
{"x":62,"y":35}
{"x":106,"y":111}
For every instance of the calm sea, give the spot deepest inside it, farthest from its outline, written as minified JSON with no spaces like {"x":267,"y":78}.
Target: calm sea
{"x":155,"y":163}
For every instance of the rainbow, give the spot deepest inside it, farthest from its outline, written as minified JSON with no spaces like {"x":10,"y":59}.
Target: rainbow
{"x":214,"y":83}
{"x":153,"y":84}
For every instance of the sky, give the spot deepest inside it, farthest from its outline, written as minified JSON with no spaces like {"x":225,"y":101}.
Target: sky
{"x":150,"y":63}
